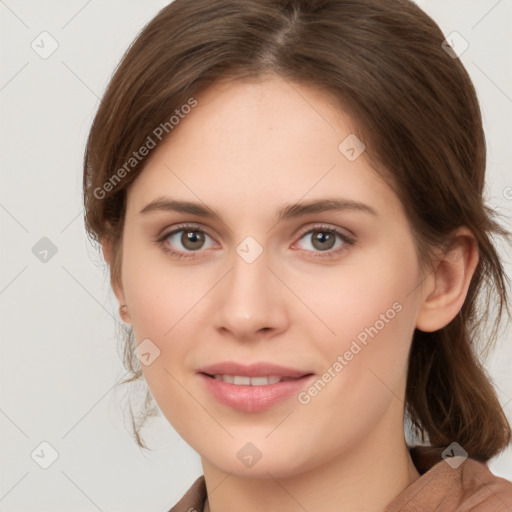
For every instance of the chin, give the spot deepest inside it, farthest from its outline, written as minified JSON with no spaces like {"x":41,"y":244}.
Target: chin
{"x":249,"y":460}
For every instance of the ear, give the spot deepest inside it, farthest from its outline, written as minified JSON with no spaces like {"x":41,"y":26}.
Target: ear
{"x":445,"y":289}
{"x":117,"y":287}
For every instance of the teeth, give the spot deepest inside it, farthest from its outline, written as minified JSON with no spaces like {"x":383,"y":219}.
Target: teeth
{"x":259,"y":381}
{"x":241,"y":380}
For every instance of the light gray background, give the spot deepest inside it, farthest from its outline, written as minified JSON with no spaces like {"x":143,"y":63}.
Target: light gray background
{"x":59,"y":360}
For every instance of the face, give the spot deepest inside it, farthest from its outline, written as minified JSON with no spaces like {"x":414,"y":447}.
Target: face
{"x":254,"y":246}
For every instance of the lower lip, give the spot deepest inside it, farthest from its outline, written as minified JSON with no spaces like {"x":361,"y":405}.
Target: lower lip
{"x":253,"y":398}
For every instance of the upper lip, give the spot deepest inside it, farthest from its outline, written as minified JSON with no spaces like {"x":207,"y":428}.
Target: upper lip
{"x":262,"y":369}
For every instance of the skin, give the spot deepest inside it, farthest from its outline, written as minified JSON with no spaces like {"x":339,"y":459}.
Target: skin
{"x":246,"y":151}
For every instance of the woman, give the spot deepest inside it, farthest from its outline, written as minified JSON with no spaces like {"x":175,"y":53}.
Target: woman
{"x":289,"y":197}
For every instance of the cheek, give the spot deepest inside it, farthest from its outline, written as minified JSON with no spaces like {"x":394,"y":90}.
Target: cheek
{"x":372,"y":312}
{"x":159,"y":295}
{"x":368,"y":297}
{"x":164,"y":304}
{"x":363,"y":379}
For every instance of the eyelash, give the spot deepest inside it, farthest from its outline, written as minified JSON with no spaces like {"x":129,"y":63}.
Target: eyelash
{"x":347,"y":241}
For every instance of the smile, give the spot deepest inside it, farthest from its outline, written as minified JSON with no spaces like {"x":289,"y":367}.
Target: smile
{"x":252,"y":388}
{"x":241,"y":380}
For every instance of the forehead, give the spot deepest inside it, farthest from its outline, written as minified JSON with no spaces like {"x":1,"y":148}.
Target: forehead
{"x":255,"y":144}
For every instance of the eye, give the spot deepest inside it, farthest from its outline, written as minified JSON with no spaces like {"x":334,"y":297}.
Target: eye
{"x":322,"y":239}
{"x":186,"y":239}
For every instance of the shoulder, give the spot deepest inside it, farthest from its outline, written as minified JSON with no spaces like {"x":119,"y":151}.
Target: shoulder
{"x":480,"y":489}
{"x":453,"y":485}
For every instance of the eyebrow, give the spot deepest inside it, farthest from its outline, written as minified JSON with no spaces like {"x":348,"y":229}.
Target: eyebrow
{"x":288,"y":212}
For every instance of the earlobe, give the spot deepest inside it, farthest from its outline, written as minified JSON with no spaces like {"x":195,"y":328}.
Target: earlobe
{"x":450,"y":282}
{"x":124,"y":314}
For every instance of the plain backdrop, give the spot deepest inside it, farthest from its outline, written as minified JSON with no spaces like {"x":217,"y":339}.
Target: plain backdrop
{"x":59,"y":361}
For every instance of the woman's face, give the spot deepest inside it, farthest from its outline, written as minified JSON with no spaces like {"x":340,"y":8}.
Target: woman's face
{"x":252,"y":239}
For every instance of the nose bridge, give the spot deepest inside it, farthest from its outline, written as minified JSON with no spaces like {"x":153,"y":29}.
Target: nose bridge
{"x":249,"y":299}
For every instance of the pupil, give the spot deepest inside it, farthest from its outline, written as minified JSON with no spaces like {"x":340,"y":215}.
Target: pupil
{"x":323,"y":240}
{"x":192,"y":239}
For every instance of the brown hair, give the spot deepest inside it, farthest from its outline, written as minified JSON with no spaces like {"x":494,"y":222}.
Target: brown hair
{"x":415,"y":109}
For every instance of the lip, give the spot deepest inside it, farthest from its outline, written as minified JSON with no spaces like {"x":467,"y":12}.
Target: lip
{"x":252,"y":370}
{"x":253,"y":398}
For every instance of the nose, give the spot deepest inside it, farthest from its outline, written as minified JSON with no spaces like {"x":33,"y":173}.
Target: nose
{"x":250,"y":303}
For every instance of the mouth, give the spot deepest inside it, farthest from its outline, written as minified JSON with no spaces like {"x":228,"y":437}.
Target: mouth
{"x":245,"y":380}
{"x":253,"y":388}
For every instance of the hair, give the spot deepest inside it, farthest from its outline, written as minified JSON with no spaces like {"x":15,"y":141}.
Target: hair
{"x":416,"y":110}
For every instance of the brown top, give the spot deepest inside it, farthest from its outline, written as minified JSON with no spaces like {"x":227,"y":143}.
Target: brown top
{"x":470,"y":487}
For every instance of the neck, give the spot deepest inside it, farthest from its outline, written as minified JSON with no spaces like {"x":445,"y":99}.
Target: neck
{"x":366,"y":478}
